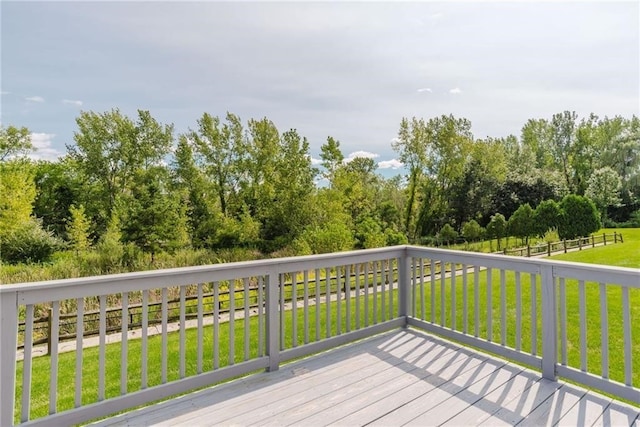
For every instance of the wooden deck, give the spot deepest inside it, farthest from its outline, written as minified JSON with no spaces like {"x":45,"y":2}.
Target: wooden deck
{"x":405,"y":377}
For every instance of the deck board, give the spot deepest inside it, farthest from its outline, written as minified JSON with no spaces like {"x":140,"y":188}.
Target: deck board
{"x":404,"y":377}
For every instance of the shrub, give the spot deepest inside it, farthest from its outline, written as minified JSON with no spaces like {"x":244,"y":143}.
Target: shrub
{"x":580,"y":217}
{"x":29,"y":243}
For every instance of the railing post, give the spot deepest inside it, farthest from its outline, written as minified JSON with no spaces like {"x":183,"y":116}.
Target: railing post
{"x":9,"y":340}
{"x":549,"y":324}
{"x":404,"y":286}
{"x":273,"y":329}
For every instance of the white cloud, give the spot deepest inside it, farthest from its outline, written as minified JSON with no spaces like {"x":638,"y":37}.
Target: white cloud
{"x":34,"y":99}
{"x":44,"y":151}
{"x":455,"y":91}
{"x":72,"y":102}
{"x":425,"y":89}
{"x":436,"y":15}
{"x":390,"y":164}
{"x":315,"y":161}
{"x":365,"y":154}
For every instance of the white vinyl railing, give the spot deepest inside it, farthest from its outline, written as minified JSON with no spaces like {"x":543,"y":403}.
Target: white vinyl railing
{"x":537,"y":312}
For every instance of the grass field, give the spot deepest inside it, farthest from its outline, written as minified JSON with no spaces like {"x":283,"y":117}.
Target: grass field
{"x":626,"y":254}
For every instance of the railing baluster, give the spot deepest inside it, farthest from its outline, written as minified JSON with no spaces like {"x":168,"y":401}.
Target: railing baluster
{"x":317,"y":303}
{"x":165,"y":315}
{"x":26,"y":367}
{"x":327,"y":299}
{"x":518,"y":313}
{"x":124,"y":323}
{"x":338,"y":301}
{"x":260,"y":316}
{"x":563,"y":322}
{"x":383,"y":291}
{"x":604,"y":331}
{"x":443,"y":309}
{"x":79,"y":348}
{"x":357,"y":274}
{"x":103,"y":345}
{"x":347,"y":299}
{"x":216,"y":325}
{"x":433,"y":290}
{"x":465,"y":302}
{"x":534,"y":316}
{"x":200,"y":330}
{"x":145,"y":340}
{"x":231,"y":292}
{"x":294,"y":309}
{"x":503,"y":307}
{"x":53,"y":371}
{"x":183,"y":333}
{"x":453,"y":296}
{"x":247,"y":318}
{"x":390,"y":282}
{"x":366,"y":294}
{"x":626,"y":325}
{"x":306,"y":305}
{"x":476,"y":300}
{"x":489,"y":305}
{"x":583,"y":325}
{"x":422,"y":312}
{"x":414,"y":286}
{"x":375,"y":292}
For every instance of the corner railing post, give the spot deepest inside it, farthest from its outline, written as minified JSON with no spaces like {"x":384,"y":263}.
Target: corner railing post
{"x":549,"y":324}
{"x":273,"y":334}
{"x":9,"y":340}
{"x":404,"y":285}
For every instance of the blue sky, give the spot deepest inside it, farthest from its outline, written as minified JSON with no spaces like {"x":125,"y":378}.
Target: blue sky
{"x":349,"y":70}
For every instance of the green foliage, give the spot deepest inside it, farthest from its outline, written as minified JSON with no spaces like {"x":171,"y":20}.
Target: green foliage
{"x":14,"y":142}
{"x":78,"y":229}
{"x":17,"y":192}
{"x":547,"y":216}
{"x":369,"y":234}
{"x":522,"y":223}
{"x":579,"y":217}
{"x":447,"y":234}
{"x":497,"y":228}
{"x":604,"y":189}
{"x":154,"y":219}
{"x":329,"y":237}
{"x":472,"y":231}
{"x":29,"y":243}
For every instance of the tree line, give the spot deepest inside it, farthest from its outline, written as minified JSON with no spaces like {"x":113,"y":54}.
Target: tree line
{"x":130,"y":184}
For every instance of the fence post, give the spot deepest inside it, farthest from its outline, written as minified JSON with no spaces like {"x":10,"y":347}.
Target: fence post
{"x":404,"y":286}
{"x":273,"y":334}
{"x":549,"y":324}
{"x":580,"y":243}
{"x":593,"y":241}
{"x":564,"y":242}
{"x":621,"y":241}
{"x":615,"y":237}
{"x":9,"y":340}
{"x":528,"y":251}
{"x":548,"y":248}
{"x":604,"y":239}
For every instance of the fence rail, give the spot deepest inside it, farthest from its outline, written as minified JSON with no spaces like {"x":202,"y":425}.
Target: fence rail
{"x":524,"y":309}
{"x":565,"y":245}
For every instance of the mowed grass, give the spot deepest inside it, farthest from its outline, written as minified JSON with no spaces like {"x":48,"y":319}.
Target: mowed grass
{"x":625,"y":254}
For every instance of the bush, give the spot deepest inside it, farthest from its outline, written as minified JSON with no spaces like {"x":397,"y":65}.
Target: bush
{"x":580,"y":217}
{"x":29,"y":243}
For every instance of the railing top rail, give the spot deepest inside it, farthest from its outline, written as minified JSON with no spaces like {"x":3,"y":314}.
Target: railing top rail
{"x":87,"y":286}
